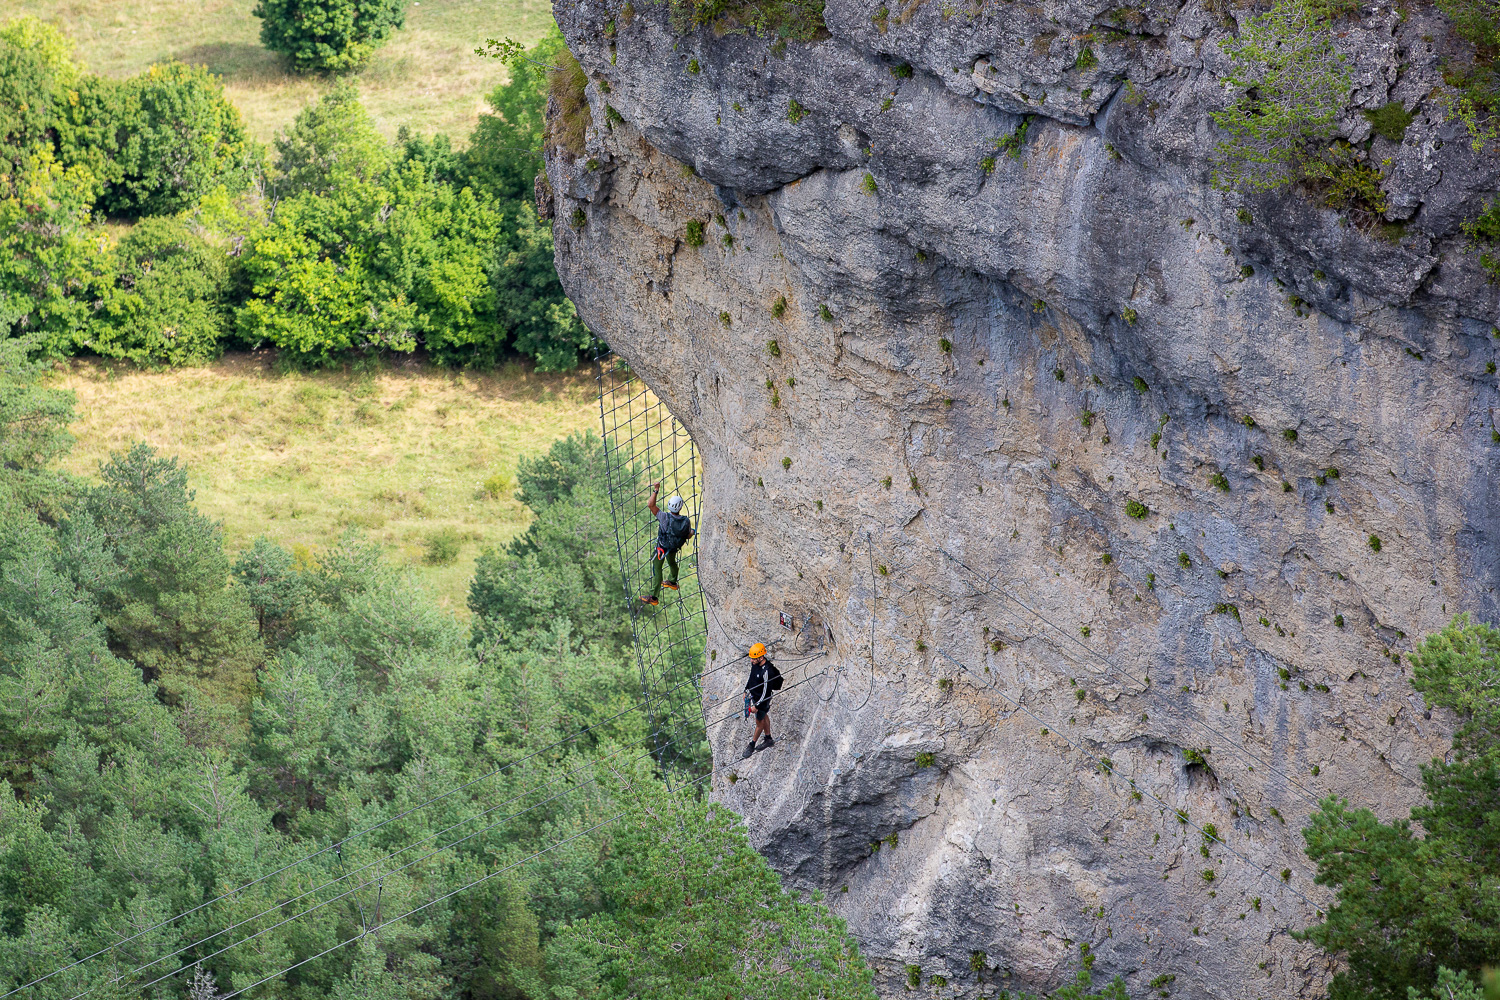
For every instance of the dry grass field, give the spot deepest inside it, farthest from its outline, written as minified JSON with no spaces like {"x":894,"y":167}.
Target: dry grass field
{"x":402,"y":452}
{"x":427,"y":76}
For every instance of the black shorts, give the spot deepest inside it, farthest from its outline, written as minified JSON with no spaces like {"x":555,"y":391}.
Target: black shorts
{"x":763,"y":710}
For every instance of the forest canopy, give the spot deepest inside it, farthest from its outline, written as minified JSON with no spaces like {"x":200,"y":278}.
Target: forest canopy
{"x":337,"y":786}
{"x":334,"y":243}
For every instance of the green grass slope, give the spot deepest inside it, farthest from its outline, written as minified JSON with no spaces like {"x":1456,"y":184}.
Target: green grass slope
{"x":401,"y":452}
{"x":427,"y":76}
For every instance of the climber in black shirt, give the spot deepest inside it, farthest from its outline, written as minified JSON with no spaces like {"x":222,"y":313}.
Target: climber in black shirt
{"x":764,"y":680}
{"x":673,"y":530}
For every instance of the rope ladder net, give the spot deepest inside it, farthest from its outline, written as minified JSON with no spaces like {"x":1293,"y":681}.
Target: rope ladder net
{"x":645,"y":444}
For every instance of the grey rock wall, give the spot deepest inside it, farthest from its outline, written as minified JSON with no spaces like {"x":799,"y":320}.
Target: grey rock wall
{"x":971,"y":373}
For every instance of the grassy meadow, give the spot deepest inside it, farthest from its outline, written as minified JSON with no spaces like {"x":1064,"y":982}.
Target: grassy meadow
{"x":403,"y":452}
{"x":426,"y":76}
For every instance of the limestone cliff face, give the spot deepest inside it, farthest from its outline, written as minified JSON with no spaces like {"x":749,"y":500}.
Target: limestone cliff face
{"x":932,"y":471}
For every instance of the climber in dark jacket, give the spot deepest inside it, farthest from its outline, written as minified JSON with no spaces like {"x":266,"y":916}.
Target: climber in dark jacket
{"x":673,"y":530}
{"x":764,"y":680}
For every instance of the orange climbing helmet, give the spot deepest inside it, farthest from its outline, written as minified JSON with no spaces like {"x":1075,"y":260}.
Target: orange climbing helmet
{"x":757,"y":651}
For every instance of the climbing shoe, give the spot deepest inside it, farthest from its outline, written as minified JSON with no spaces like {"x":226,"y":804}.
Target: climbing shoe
{"x":748,"y":750}
{"x":649,"y":600}
{"x":768,"y":742}
{"x":669,"y":586}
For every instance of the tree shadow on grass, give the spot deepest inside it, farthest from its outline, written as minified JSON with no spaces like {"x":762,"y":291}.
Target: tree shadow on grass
{"x":237,"y":61}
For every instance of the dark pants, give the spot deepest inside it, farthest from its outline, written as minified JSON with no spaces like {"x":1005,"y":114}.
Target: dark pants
{"x":670,"y":559}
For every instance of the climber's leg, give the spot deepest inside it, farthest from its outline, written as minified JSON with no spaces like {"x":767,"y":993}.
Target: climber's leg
{"x":656,"y":561}
{"x":762,"y":721}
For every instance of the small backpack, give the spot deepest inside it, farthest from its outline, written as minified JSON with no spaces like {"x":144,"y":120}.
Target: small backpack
{"x":774,"y":680}
{"x":678,"y":536}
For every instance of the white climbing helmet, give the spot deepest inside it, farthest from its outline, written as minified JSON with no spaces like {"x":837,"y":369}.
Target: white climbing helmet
{"x":674,"y":504}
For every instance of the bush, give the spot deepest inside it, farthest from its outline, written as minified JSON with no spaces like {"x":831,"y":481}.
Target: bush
{"x":327,"y":36}
{"x":530,"y":298}
{"x":155,"y":143}
{"x":1484,"y":236}
{"x":169,"y":303}
{"x":179,"y":138}
{"x":29,"y":83}
{"x":329,"y":144}
{"x":496,"y":487}
{"x":1011,"y":145}
{"x":797,"y":20}
{"x":504,"y":154}
{"x":1348,"y":184}
{"x":1475,"y":95}
{"x":441,"y":547}
{"x":377,"y":266}
{"x":1293,"y":86}
{"x":50,"y":264}
{"x":152,"y":144}
{"x":1390,"y":121}
{"x":376,"y":262}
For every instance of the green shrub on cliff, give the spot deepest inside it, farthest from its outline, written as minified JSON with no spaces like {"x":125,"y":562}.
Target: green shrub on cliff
{"x":1484,"y":236}
{"x":1081,"y":988}
{"x":1413,"y":905}
{"x":1474,"y":80}
{"x":795,"y":20}
{"x":1292,"y":86}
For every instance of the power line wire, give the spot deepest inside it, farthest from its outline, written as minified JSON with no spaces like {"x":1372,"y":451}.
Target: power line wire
{"x":367,"y":883}
{"x":589,"y":730}
{"x":348,"y":941}
{"x":1145,"y":683}
{"x":307,"y":857}
{"x":1242,"y":752}
{"x":462,"y":888}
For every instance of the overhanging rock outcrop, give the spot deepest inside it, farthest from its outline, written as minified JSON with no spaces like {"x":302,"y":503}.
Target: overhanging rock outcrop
{"x":1017,"y":430}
